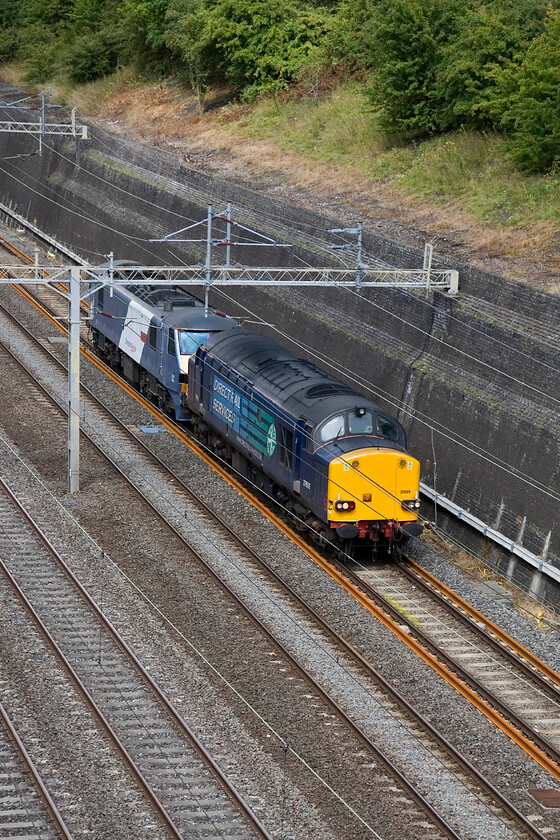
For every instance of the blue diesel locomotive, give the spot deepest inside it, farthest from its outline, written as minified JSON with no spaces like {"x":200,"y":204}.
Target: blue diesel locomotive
{"x":334,"y":458}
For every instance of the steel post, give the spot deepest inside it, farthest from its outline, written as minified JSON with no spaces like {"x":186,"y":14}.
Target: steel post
{"x":359,"y":258}
{"x":208,"y":260}
{"x":428,"y":254}
{"x":74,"y":381}
{"x":228,"y":234}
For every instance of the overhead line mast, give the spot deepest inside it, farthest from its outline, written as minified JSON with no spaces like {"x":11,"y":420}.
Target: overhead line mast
{"x":42,"y":128}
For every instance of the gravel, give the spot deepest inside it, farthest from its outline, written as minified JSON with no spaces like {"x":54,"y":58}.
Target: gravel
{"x":258,"y":762}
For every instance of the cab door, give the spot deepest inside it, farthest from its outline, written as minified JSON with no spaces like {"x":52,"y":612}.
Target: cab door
{"x":303,"y":457}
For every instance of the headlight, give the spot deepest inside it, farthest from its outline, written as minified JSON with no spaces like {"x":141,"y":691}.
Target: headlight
{"x":344,"y":506}
{"x":410,"y":504}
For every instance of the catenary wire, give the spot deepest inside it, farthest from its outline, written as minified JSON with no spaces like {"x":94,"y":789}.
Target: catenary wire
{"x":350,"y":290}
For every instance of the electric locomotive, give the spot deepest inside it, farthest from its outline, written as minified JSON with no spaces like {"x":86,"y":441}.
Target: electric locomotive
{"x":337,"y":460}
{"x":149,"y":334}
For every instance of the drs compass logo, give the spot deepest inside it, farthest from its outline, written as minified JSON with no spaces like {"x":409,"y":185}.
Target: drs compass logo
{"x":271,"y":440}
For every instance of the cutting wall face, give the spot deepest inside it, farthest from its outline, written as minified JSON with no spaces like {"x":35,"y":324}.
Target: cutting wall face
{"x":474,"y":379}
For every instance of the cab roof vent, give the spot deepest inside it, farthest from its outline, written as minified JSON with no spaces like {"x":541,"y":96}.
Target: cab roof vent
{"x":327,"y":389}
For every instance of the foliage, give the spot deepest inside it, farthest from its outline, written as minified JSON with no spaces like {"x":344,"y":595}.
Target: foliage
{"x":259,"y":45}
{"x":144,"y":25}
{"x":92,"y":56}
{"x":429,"y":66}
{"x":39,"y":52}
{"x":406,"y":53}
{"x":9,"y":28}
{"x":474,"y":79}
{"x":353,"y":33}
{"x":535,"y":109}
{"x":185,"y":21}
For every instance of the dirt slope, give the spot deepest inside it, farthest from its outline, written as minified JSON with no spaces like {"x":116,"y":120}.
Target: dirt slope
{"x":162,"y":117}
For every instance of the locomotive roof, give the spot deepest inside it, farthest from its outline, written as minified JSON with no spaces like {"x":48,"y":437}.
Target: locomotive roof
{"x":296,"y":384}
{"x":180,"y":310}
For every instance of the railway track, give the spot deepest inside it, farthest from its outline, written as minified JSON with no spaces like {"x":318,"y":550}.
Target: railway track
{"x":453,"y":761}
{"x":524,"y":690}
{"x":382,"y":774}
{"x":27,"y":811}
{"x":186,"y":789}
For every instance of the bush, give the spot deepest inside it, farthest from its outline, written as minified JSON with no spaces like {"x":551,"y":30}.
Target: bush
{"x":92,"y":56}
{"x":535,"y":109}
{"x":39,"y":53}
{"x":473,"y":81}
{"x":406,"y":54}
{"x":260,"y":45}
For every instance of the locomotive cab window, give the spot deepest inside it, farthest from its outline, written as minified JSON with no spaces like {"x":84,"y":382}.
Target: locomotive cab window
{"x":285,"y":453}
{"x":152,"y":336}
{"x":101,"y":297}
{"x":360,"y":422}
{"x":171,"y":342}
{"x":387,"y":429}
{"x":333,"y":428}
{"x":189,"y":342}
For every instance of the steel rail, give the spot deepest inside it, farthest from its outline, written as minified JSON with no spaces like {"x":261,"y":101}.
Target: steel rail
{"x":482,"y":698}
{"x":148,"y":792}
{"x":323,"y":624}
{"x":408,"y":787}
{"x":520,"y":733}
{"x":34,"y":773}
{"x":508,"y":807}
{"x":431,"y":658}
{"x":526,"y":658}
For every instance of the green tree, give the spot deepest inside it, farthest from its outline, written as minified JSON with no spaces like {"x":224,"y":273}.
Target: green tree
{"x":10,"y":23}
{"x":145,"y":26}
{"x":353,"y":33}
{"x":51,"y":13}
{"x":92,"y":55}
{"x":185,"y":23}
{"x":535,"y":108}
{"x":406,"y":54}
{"x":39,"y":52}
{"x":259,"y":45}
{"x":472,"y":81}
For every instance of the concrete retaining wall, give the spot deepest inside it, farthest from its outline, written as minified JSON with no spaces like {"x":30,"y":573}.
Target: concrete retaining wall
{"x":475,"y":380}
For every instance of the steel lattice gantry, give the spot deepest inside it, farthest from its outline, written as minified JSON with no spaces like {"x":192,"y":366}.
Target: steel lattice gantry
{"x":81,"y":280}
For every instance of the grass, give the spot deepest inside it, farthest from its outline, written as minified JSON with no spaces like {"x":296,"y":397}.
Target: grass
{"x":335,"y":146}
{"x":89,"y":98}
{"x":338,"y":128}
{"x":471,"y":170}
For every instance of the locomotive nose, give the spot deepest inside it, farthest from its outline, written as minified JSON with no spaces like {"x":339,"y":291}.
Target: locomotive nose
{"x":373,"y":485}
